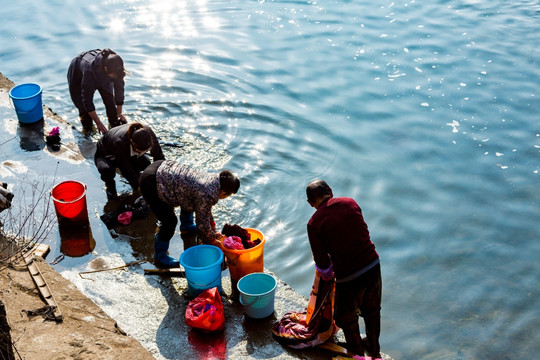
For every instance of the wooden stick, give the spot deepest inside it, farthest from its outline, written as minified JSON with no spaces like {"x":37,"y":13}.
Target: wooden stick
{"x":167,"y":272}
{"x":114,"y":268}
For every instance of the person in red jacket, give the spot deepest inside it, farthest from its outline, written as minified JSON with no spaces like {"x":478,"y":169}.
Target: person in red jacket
{"x":342,"y":249}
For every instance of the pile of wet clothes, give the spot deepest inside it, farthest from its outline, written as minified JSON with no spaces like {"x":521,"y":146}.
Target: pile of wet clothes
{"x":53,"y":139}
{"x":238,"y":238}
{"x":124,"y":214}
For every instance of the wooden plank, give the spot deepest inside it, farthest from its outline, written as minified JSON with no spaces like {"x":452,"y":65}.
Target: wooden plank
{"x":335,"y":349}
{"x":166,"y":272}
{"x":41,"y":250}
{"x":38,"y":250}
{"x":41,"y":284}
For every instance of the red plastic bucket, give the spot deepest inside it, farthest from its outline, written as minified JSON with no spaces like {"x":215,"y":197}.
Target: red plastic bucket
{"x":69,"y":199}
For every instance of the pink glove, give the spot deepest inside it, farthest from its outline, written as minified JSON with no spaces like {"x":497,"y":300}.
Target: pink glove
{"x":326,"y":274}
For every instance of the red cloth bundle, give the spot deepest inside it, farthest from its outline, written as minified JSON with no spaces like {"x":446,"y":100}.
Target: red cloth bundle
{"x":205,"y":312}
{"x":235,"y":230}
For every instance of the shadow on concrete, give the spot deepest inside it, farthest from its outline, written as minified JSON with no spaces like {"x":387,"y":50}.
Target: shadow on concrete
{"x":208,"y":346}
{"x":31,"y":136}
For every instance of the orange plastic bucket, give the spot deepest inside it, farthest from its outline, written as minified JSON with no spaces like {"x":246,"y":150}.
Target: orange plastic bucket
{"x":244,"y":262}
{"x":69,"y":199}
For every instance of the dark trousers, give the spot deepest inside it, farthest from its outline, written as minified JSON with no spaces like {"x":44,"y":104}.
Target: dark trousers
{"x":361,"y":296}
{"x":163,"y":211}
{"x":74,"y":77}
{"x":107,"y":167}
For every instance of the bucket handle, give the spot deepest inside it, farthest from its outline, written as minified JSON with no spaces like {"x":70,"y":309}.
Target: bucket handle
{"x":232,"y":261}
{"x":204,"y":285}
{"x":251,"y":302}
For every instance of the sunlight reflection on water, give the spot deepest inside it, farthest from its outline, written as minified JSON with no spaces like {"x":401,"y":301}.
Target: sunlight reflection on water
{"x":424,"y":113}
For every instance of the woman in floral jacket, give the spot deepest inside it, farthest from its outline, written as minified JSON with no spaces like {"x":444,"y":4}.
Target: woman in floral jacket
{"x":168,"y":184}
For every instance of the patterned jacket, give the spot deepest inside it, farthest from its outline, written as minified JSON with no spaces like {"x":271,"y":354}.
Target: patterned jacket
{"x":192,"y":190}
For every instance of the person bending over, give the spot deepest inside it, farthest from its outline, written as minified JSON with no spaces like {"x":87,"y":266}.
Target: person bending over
{"x":125,"y":147}
{"x":101,"y":70}
{"x":168,"y":184}
{"x":341,"y":247}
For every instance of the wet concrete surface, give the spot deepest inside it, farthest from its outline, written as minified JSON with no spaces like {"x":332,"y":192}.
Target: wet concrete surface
{"x":149,"y":308}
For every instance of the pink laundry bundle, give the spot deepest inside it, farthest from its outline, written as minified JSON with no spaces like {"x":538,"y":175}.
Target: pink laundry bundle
{"x":55,"y":131}
{"x":233,"y":243}
{"x":125,"y":217}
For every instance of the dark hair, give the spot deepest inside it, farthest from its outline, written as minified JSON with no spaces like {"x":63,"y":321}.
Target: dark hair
{"x":114,"y":63}
{"x":317,"y":189}
{"x":228,"y":182}
{"x":140,"y":136}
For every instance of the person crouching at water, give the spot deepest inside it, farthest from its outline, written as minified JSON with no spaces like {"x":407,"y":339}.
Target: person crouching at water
{"x":341,"y":245}
{"x":101,"y":70}
{"x":168,"y":184}
{"x":125,"y":147}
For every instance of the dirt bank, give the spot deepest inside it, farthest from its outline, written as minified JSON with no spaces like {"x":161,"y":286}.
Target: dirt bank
{"x":86,"y":332}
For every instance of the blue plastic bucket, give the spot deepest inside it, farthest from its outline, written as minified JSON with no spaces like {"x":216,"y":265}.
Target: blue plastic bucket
{"x":202,"y":264}
{"x":257,"y":292}
{"x":27,"y":102}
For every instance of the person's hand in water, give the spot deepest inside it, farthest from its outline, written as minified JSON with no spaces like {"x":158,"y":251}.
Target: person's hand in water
{"x":102,"y":129}
{"x":122,"y":119}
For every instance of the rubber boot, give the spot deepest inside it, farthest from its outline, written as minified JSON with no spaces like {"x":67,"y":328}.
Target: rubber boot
{"x":354,"y":340}
{"x":110,"y":190}
{"x":161,"y":258}
{"x":187,"y":224}
{"x":373,"y":331}
{"x":86,"y":122}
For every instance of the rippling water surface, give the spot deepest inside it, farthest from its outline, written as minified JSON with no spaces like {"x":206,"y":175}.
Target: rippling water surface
{"x":425,"y":112}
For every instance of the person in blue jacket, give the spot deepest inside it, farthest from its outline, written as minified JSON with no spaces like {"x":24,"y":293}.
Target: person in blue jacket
{"x":101,"y":70}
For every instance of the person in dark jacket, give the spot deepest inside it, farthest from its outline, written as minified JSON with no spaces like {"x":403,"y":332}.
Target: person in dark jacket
{"x":101,"y":70}
{"x":169,"y":184}
{"x":125,"y":147}
{"x":342,"y":249}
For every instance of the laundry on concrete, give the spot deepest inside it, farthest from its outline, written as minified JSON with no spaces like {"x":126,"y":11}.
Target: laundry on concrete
{"x":138,"y":210}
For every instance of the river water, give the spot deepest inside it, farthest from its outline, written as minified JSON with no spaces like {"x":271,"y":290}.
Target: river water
{"x":425,"y":112}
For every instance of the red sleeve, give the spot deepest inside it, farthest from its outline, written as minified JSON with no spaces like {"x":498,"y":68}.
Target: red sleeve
{"x":320,"y":254}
